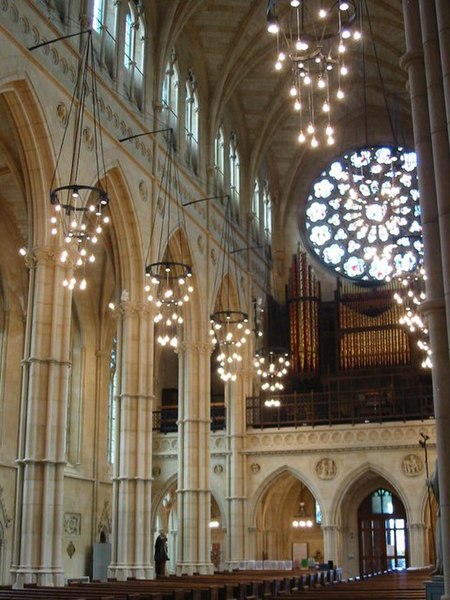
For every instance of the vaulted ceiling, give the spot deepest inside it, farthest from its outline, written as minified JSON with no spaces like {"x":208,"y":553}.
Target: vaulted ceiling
{"x":233,"y":55}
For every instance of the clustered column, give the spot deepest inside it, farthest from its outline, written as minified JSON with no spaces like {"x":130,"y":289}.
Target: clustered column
{"x":194,"y":496}
{"x":237,"y":534}
{"x":427,"y":26}
{"x":41,"y":460}
{"x":132,"y":483}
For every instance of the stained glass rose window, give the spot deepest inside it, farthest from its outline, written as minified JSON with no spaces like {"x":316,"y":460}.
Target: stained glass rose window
{"x":362,"y":216}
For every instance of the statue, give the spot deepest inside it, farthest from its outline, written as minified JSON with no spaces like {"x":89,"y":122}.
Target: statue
{"x":161,"y":554}
{"x":433,"y":485}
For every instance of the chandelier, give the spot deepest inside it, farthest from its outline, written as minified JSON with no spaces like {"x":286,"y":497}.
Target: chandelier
{"x":79,"y":207}
{"x":411,"y":295}
{"x":272,"y":366}
{"x":313,"y":41}
{"x":230,"y":328}
{"x":169,"y":278}
{"x":301,"y":518}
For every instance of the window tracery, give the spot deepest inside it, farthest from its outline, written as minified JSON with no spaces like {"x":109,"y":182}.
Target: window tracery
{"x":362,"y":215}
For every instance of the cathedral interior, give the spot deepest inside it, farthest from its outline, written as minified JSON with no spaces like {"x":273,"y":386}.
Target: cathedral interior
{"x":224,"y":299}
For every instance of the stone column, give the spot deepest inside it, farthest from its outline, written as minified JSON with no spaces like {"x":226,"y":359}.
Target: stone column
{"x":441,"y":163}
{"x":417,"y":541}
{"x":443,"y":19}
{"x":332,"y":544}
{"x":38,"y":551}
{"x":237,"y":527}
{"x":132,"y":544}
{"x":193,"y":494}
{"x":431,"y":140}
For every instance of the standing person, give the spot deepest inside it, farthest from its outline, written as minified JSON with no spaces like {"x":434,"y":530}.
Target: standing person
{"x":161,"y":555}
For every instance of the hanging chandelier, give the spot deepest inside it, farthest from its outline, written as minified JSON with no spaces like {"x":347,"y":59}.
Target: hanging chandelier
{"x":169,"y":278}
{"x":230,"y":328}
{"x":313,"y":39}
{"x":410,"y":296}
{"x":79,"y":208}
{"x":301,"y":518}
{"x":272,"y":366}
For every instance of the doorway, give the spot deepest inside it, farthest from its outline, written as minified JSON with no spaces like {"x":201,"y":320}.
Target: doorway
{"x":382,"y":533}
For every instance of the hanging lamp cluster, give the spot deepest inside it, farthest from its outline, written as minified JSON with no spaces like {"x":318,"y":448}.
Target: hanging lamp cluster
{"x":79,"y":208}
{"x":313,"y":40}
{"x":410,"y":296}
{"x":169,"y":278}
{"x":272,"y":365}
{"x":230,"y":328}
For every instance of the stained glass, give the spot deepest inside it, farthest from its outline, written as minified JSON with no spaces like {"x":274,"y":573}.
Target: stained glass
{"x":362,"y":216}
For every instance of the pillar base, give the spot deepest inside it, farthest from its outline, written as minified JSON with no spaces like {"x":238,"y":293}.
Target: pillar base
{"x":435,"y":588}
{"x":123,"y":572}
{"x":186,"y":568}
{"x":41,"y":577}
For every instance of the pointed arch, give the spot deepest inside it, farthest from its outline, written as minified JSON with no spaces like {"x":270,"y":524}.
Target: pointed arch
{"x":33,"y":159}
{"x":270,"y":481}
{"x":358,"y":479}
{"x":129,"y":258}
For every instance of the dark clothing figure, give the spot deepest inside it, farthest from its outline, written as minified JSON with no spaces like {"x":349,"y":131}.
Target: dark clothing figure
{"x":433,"y":484}
{"x":161,"y":555}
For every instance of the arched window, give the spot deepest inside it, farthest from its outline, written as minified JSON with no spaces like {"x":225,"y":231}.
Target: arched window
{"x":112,"y":404}
{"x":104,"y":24}
{"x":362,"y":216}
{"x":170,"y":92}
{"x":219,"y":161}
{"x":192,"y":122}
{"x":256,"y":211}
{"x":267,"y":213}
{"x":235,"y":175}
{"x":97,"y":15}
{"x":128,"y":54}
{"x":133,"y":56}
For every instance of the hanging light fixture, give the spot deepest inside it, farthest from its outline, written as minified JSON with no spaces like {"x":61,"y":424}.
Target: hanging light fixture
{"x":313,"y":40}
{"x":229,"y":325}
{"x":301,"y":518}
{"x":272,"y":365}
{"x":79,"y":206}
{"x":169,"y":278}
{"x":410,"y":295}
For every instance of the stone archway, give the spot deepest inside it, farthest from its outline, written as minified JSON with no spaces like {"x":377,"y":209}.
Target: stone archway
{"x":287,"y":499}
{"x":362,"y":486}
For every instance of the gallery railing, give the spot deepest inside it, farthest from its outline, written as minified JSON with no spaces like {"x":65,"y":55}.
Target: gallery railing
{"x":321,"y":408}
{"x":328,"y":408}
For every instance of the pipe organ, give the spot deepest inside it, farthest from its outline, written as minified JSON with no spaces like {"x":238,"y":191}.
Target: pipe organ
{"x":369,"y":332}
{"x":303,"y":300}
{"x":365,"y":326}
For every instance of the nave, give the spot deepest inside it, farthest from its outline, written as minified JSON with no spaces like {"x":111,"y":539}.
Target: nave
{"x":244,"y":585}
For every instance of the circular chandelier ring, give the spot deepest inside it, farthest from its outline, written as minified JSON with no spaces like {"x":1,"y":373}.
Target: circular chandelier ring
{"x":75,"y":188}
{"x":179,"y":269}
{"x":229,"y":316}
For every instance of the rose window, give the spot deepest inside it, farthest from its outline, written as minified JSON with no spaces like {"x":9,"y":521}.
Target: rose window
{"x":362,"y":216}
